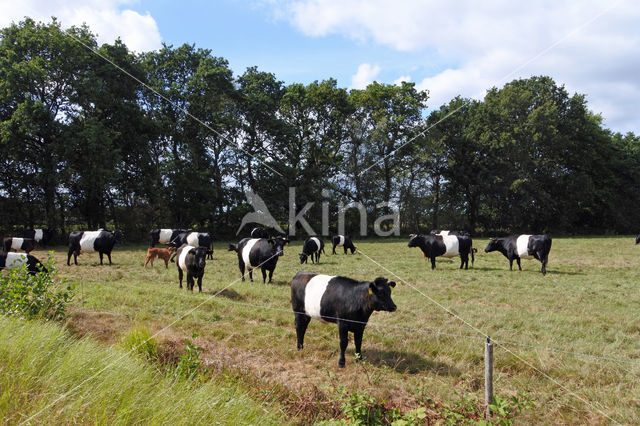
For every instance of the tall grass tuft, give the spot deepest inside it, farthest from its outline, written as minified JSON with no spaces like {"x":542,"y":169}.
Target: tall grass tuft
{"x":48,"y":376}
{"x":139,"y":340}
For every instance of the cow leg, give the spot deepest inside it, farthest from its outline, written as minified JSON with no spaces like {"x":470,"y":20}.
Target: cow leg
{"x":75,"y":257}
{"x":69,"y":257}
{"x":345,"y":249}
{"x":100,"y":253}
{"x":543,"y":259}
{"x":334,"y":249}
{"x":464,"y":260}
{"x":511,"y":264}
{"x":270,"y":275}
{"x":109,"y":256}
{"x":518,"y":260}
{"x":344,"y":341}
{"x":166,"y":263}
{"x":200,"y":284}
{"x":302,"y":322}
{"x":180,"y":274}
{"x":433,"y":263}
{"x":190,"y":281}
{"x":357,"y":339}
{"x":241,"y":266}
{"x":264,"y":275}
{"x":250,"y":274}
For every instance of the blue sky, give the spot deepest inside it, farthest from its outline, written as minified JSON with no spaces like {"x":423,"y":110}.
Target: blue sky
{"x":451,"y":48}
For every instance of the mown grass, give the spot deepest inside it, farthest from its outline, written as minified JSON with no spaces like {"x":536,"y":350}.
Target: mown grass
{"x":48,"y":377}
{"x":588,"y":303}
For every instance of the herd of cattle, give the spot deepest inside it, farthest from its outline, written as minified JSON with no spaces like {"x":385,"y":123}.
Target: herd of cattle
{"x":348,"y":303}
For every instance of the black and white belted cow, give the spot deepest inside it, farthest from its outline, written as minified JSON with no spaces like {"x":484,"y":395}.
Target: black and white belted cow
{"x":163,"y":236}
{"x":516,"y":247}
{"x":192,"y":261}
{"x":101,"y":241}
{"x":312,"y":247}
{"x":14,"y":243}
{"x":16,"y":260}
{"x":348,"y":303}
{"x":344,"y":241}
{"x":260,"y":253}
{"x":194,"y":239}
{"x":433,"y":246}
{"x":40,"y":236}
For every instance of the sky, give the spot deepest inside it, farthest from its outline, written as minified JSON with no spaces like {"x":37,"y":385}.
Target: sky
{"x":449,"y":48}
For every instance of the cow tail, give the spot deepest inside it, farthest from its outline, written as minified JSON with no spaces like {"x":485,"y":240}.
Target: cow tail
{"x":473,"y":259}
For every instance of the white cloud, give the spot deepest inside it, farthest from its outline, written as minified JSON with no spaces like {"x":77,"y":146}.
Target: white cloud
{"x":590,"y":46}
{"x":364,"y":76}
{"x":401,"y":79}
{"x":108,"y":19}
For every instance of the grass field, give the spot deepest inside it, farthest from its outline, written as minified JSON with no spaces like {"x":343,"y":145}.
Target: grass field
{"x":420,"y":355}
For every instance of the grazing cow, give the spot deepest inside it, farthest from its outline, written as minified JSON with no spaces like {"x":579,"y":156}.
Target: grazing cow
{"x":191,"y":260}
{"x":312,"y":246}
{"x":195,"y":239}
{"x":40,"y":236}
{"x":344,"y":241}
{"x":433,"y":246}
{"x":445,"y":233}
{"x":16,"y":260}
{"x":259,"y":233}
{"x":344,"y":301}
{"x":163,"y":236}
{"x":522,"y":246}
{"x":14,"y":243}
{"x":89,"y":241}
{"x":159,"y":253}
{"x":260,"y":253}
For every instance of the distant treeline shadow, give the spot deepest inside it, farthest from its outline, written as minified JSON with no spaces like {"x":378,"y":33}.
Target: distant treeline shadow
{"x":407,"y":363}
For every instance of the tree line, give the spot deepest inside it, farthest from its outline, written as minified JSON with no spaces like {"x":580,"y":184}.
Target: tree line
{"x":98,"y":136}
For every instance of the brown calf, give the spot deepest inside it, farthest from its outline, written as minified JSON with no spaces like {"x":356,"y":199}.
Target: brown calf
{"x":162,"y":253}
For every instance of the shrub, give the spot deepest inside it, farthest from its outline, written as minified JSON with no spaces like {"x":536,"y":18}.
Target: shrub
{"x":40,"y":295}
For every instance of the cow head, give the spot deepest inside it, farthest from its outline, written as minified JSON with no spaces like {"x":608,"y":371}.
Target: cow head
{"x":233,"y":247}
{"x":119,"y":236}
{"x":494,"y":244}
{"x":277,"y":244}
{"x":200,"y":254}
{"x":414,"y":240}
{"x":380,"y":289}
{"x":303,"y":258}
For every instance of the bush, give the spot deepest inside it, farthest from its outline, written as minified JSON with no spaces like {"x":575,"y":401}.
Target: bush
{"x":39,"y":295}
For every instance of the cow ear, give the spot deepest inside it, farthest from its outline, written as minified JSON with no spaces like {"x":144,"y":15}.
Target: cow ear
{"x":392,"y":283}
{"x":270,"y":241}
{"x":372,"y":288}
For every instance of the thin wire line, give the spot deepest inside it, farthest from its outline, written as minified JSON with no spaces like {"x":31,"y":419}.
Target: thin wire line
{"x":230,"y":142}
{"x":518,"y":68}
{"x":569,"y":391}
{"x":180,"y":318}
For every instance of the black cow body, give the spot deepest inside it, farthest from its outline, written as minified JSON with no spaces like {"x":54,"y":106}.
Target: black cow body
{"x":14,"y":243}
{"x":259,"y":233}
{"x":522,"y":246}
{"x":344,"y":241}
{"x":433,"y":246}
{"x":91,"y":241}
{"x":163,"y":236}
{"x":40,"y":236}
{"x":260,"y":253}
{"x":194,"y":239}
{"x":192,"y":261}
{"x":344,"y":301}
{"x":312,"y":247}
{"x":16,"y":260}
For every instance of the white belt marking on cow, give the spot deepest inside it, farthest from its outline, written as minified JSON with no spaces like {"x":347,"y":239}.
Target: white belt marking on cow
{"x":182,"y":259}
{"x":313,"y":293}
{"x":192,"y":239}
{"x":87,"y":240}
{"x":15,"y":260}
{"x":246,"y":250}
{"x":317,"y":241}
{"x":444,"y":233}
{"x":341,"y":238}
{"x":521,"y":246}
{"x":16,"y":243}
{"x":452,"y":244}
{"x":38,"y":235}
{"x":165,"y":236}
